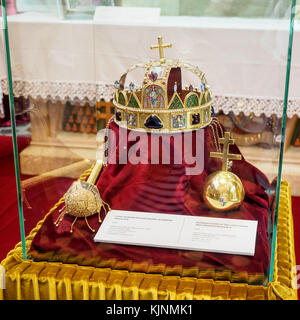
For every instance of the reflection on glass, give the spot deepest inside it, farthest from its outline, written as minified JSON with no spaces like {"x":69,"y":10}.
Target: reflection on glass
{"x":220,"y":8}
{"x":79,"y":9}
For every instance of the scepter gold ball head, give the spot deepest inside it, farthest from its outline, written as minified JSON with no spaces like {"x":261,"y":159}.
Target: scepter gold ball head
{"x":83,"y":200}
{"x":223,"y":191}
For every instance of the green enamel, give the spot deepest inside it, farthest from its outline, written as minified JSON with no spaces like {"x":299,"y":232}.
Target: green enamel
{"x":132,"y":102}
{"x":176,"y":103}
{"x":121,"y":99}
{"x":203,"y":100}
{"x":208,"y":97}
{"x":192,"y":101}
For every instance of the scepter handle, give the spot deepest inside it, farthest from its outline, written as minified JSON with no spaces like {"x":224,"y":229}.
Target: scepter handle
{"x":95,"y":172}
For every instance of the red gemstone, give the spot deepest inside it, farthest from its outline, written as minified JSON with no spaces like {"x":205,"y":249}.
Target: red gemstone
{"x":153,"y":76}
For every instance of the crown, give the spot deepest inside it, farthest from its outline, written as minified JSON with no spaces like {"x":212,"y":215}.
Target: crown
{"x":161,"y":104}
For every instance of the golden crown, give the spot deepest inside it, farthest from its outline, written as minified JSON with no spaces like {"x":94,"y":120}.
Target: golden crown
{"x":161,"y":104}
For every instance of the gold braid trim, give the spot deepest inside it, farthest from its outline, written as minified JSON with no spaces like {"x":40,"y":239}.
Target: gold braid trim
{"x":284,"y":284}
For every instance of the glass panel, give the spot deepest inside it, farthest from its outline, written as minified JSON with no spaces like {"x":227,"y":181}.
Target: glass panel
{"x":9,"y":102}
{"x":283,"y":135}
{"x":54,"y":105}
{"x":245,"y":62}
{"x":70,"y":81}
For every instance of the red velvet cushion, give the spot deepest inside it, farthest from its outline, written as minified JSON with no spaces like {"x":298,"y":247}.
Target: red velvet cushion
{"x":162,"y":188}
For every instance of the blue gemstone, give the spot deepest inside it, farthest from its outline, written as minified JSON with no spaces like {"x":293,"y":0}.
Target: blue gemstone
{"x":195,"y":118}
{"x":222,"y":200}
{"x":118,"y":116}
{"x":212,"y":111}
{"x":153,"y":122}
{"x":117,"y":84}
{"x":131,"y":86}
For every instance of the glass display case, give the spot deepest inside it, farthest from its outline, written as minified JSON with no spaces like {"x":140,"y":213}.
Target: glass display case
{"x":120,"y":130}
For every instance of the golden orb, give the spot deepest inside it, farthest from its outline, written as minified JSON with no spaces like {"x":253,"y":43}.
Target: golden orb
{"x":223,"y":191}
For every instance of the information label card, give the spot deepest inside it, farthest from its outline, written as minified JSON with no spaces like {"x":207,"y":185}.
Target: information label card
{"x":172,"y":231}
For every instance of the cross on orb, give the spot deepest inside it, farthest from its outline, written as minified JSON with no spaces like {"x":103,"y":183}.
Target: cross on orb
{"x":160,"y":47}
{"x":225,"y":155}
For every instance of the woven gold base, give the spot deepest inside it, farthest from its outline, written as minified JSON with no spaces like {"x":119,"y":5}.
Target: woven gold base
{"x":26,"y":279}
